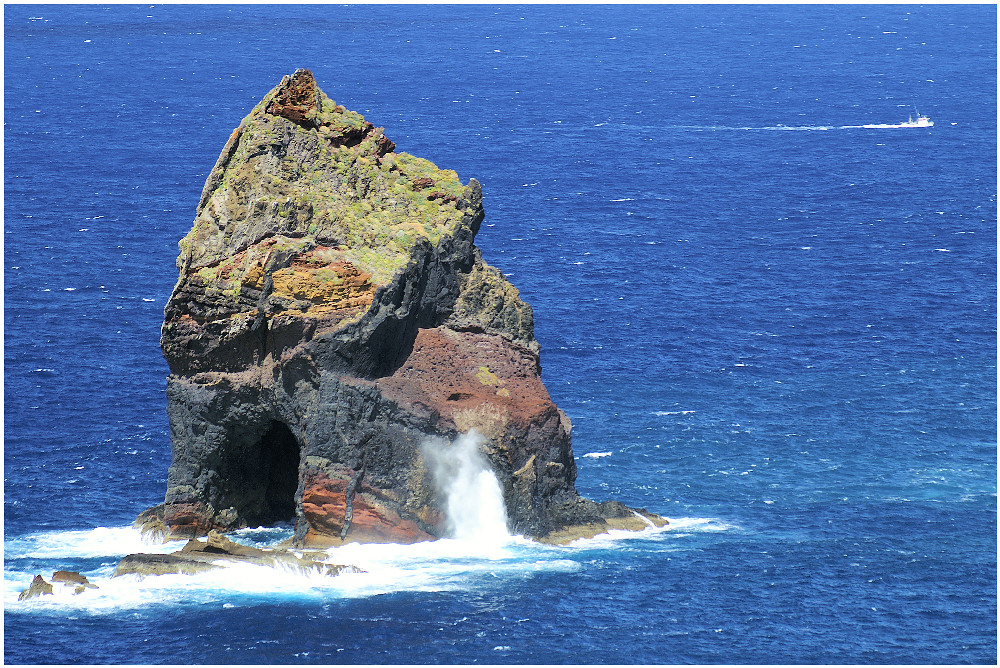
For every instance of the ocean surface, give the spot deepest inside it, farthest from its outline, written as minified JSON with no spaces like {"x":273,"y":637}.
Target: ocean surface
{"x":771,"y":327}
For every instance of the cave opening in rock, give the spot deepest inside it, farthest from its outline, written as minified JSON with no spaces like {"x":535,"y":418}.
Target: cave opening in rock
{"x":279,"y":452}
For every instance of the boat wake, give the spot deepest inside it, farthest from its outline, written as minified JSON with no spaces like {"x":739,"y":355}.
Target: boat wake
{"x":918,"y":122}
{"x":798,"y":128}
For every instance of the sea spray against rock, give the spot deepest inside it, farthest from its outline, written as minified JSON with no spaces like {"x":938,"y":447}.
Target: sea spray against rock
{"x":472,"y":498}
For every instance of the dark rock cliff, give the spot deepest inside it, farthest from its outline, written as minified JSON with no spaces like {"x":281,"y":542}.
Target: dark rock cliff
{"x":331,"y":312}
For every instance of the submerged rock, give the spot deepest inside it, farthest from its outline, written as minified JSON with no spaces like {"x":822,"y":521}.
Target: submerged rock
{"x":332,"y":313}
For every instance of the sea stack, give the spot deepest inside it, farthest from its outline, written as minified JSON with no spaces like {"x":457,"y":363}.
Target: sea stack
{"x":331,"y":314}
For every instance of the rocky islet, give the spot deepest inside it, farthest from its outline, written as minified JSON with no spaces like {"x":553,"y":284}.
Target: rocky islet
{"x":331,"y":314}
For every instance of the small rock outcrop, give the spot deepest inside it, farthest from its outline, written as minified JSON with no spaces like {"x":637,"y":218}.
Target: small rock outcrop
{"x":332,"y":312}
{"x":77,"y":582}
{"x":38,"y":587}
{"x":71,"y":579}
{"x":217,"y":552}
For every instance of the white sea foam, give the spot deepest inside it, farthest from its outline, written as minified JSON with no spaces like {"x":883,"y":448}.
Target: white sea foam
{"x":446,"y":564}
{"x":698,"y":525}
{"x":675,"y":527}
{"x":595,"y":455}
{"x":479,"y":549}
{"x":441,"y":565}
{"x":85,"y":544}
{"x":649,"y":522}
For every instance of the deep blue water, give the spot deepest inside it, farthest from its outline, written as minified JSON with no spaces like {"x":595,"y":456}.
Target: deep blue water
{"x":785,"y":339}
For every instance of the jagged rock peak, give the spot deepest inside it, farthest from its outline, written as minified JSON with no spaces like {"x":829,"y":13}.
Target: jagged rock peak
{"x":302,"y":167}
{"x":309,"y":211}
{"x":297,"y":98}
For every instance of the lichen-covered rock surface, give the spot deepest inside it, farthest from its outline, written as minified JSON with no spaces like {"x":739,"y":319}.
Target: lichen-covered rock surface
{"x":331,"y":313}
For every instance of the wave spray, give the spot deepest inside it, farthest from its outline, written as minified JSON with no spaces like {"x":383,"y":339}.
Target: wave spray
{"x":473,"y":502}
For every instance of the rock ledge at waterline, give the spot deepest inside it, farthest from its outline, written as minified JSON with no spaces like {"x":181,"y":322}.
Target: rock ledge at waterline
{"x":331,"y":314}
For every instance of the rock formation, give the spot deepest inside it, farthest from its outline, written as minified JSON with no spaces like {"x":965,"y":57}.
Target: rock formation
{"x":217,"y":552}
{"x":70,"y":579}
{"x":74,"y":580}
{"x":330,"y":314}
{"x":38,"y":587}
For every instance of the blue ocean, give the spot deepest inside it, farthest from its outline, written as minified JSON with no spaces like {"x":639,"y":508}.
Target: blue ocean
{"x":769,"y":323}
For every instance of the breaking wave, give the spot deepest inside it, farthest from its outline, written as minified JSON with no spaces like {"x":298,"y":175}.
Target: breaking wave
{"x":479,"y":548}
{"x":448,"y":564}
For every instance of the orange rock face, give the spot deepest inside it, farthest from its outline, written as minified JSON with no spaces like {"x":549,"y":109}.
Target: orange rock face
{"x":189,"y":520}
{"x":295,"y":100}
{"x":472,"y":380}
{"x":339,"y":508}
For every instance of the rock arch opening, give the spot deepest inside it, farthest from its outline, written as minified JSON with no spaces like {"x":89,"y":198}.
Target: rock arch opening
{"x":279,"y":464}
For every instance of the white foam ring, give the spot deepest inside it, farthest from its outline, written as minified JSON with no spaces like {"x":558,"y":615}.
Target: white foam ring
{"x":479,"y":548}
{"x":441,"y":565}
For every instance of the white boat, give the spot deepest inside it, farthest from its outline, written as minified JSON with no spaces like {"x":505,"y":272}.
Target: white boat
{"x":919,"y":122}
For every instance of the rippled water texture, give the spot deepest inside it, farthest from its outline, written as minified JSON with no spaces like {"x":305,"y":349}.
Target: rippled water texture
{"x":774,"y":328}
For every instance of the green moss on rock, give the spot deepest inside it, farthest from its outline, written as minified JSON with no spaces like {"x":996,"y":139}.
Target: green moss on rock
{"x":324,"y":174}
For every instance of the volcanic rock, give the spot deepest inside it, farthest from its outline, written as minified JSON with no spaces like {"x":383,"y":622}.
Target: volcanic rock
{"x":74,"y":580}
{"x":144,"y":564}
{"x":331,"y":313}
{"x":38,"y":587}
{"x":71,"y":579}
{"x":217,"y":552}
